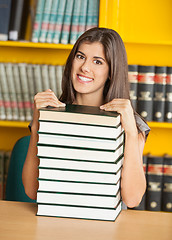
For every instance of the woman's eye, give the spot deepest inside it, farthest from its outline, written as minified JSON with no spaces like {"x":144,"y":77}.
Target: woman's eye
{"x":98,"y":62}
{"x":79,"y":56}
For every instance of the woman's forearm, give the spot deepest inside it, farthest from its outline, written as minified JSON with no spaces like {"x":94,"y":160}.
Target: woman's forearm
{"x":133,"y":182}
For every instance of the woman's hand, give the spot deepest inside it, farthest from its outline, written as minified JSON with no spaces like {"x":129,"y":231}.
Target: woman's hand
{"x":123,"y":106}
{"x":44,"y":99}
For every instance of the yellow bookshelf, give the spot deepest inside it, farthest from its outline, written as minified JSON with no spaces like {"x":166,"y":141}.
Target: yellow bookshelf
{"x":145,"y":29}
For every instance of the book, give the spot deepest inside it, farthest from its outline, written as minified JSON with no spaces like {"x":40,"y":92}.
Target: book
{"x":7,"y":156}
{"x":133,"y":81}
{"x":74,"y":164}
{"x":145,"y":91}
{"x":168,"y":96}
{"x":18,"y":19}
{"x":12,"y":91}
{"x":78,"y":199}
{"x":154,"y":181}
{"x":92,"y":14}
{"x":59,"y":21}
{"x":38,"y":78}
{"x":75,"y":21}
{"x":45,"y":20}
{"x":52,"y":20}
{"x":82,"y":17}
{"x":78,"y":187}
{"x":19,"y":94}
{"x":5,"y":10}
{"x":5,"y":92}
{"x":159,"y":94}
{"x":45,"y":77}
{"x":2,"y":107}
{"x":59,"y":73}
{"x":1,"y":174}
{"x":52,"y":78}
{"x":38,"y":20}
{"x":67,"y":22}
{"x":107,"y":214}
{"x":31,"y":83}
{"x":167,"y":184}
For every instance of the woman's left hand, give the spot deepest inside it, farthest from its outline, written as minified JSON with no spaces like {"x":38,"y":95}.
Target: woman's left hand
{"x":123,"y":106}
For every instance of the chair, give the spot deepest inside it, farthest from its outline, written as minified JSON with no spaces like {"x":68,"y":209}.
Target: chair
{"x":14,"y":187}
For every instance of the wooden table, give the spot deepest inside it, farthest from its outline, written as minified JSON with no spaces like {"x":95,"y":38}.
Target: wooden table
{"x":18,"y":221}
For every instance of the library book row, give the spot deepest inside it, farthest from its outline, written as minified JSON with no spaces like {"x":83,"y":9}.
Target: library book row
{"x":19,"y":83}
{"x":158,"y":172}
{"x":151,"y":91}
{"x":54,"y":21}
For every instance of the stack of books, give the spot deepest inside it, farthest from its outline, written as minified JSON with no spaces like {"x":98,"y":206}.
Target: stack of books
{"x":81,"y":155}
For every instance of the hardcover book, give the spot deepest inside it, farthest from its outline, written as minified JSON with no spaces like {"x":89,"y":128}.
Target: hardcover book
{"x":133,"y":80}
{"x":168,"y":96}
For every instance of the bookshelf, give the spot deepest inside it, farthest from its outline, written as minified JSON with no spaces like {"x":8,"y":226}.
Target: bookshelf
{"x":148,"y":41}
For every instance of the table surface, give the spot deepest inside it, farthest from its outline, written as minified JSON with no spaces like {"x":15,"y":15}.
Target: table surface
{"x":18,"y":221}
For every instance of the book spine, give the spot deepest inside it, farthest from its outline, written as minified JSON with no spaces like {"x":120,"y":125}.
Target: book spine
{"x":2,"y":107}
{"x":5,"y":92}
{"x":45,"y":20}
{"x":1,"y":174}
{"x":31,"y":83}
{"x":159,"y":94}
{"x":52,"y":78}
{"x":45,"y":77}
{"x":7,"y":156}
{"x":67,"y":22}
{"x":168,"y":96}
{"x":15,"y":22}
{"x":59,"y":73}
{"x":5,"y":9}
{"x":145,"y":91}
{"x":19,"y":94}
{"x":38,"y":20}
{"x":75,"y":22}
{"x":52,"y":21}
{"x":59,"y":21}
{"x":25,"y":91}
{"x":133,"y":81}
{"x":154,"y":181}
{"x":12,"y":91}
{"x":38,"y":78}
{"x":82,"y":17}
{"x":95,"y":17}
{"x":167,"y":185}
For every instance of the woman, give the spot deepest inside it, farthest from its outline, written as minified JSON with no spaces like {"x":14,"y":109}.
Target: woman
{"x":96,"y":74}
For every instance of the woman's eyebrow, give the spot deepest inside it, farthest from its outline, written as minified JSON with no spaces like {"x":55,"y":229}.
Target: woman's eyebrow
{"x":93,"y":57}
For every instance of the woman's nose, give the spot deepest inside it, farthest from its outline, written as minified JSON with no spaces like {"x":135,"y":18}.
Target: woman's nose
{"x":86,"y":67}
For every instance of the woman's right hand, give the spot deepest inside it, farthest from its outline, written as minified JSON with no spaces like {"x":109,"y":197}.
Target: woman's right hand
{"x":44,"y":99}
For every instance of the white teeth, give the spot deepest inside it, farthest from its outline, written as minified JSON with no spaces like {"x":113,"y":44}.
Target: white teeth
{"x":84,"y":79}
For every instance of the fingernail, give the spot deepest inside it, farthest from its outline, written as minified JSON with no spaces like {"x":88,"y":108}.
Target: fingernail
{"x":101,"y":107}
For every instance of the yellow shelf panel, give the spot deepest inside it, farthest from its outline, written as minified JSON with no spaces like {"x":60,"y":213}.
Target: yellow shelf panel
{"x":14,"y":124}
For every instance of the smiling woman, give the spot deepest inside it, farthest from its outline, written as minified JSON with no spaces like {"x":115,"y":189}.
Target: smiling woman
{"x":96,"y":74}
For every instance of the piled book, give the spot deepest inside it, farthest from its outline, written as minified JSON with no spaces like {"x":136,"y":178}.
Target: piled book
{"x":81,"y":152}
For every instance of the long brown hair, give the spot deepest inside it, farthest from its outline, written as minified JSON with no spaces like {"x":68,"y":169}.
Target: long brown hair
{"x":117,"y":85}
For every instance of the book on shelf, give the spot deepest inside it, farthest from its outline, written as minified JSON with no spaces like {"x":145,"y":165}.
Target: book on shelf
{"x":52,"y":21}
{"x":92,"y":14}
{"x":2,"y":106}
{"x":45,"y":20}
{"x":31,"y":83}
{"x":75,"y":21}
{"x":38,"y":78}
{"x":159,"y":94}
{"x":18,"y":19}
{"x":52,"y":78}
{"x":5,"y":10}
{"x":133,"y":81}
{"x":82,"y":17}
{"x":167,"y":184}
{"x":168,"y":96}
{"x":45,"y":77}
{"x":59,"y":21}
{"x":154,"y":181}
{"x":38,"y":20}
{"x":67,"y":22}
{"x":59,"y":74}
{"x":78,"y":171}
{"x":145,"y":91}
{"x":1,"y":174}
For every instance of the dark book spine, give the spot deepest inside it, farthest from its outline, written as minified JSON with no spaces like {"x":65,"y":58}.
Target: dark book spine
{"x":168,"y":96}
{"x":142,"y":205}
{"x":159,"y":94}
{"x":145,"y":91}
{"x":133,"y":81}
{"x":5,"y":9}
{"x":167,"y":185}
{"x":154,"y":183}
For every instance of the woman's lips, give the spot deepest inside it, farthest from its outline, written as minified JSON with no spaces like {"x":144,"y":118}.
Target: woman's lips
{"x":84,"y":79}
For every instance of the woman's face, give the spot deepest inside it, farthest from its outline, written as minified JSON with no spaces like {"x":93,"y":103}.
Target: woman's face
{"x":90,"y":69}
